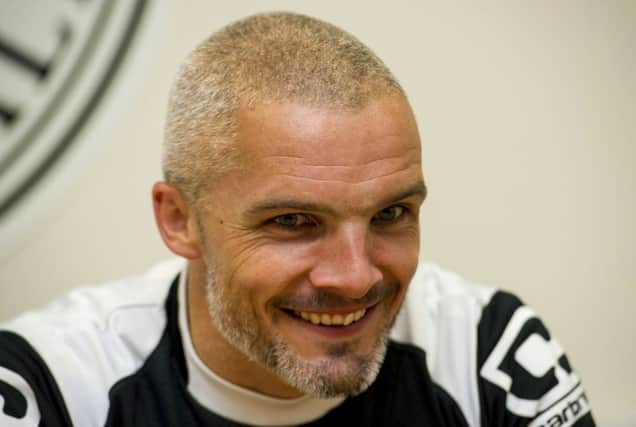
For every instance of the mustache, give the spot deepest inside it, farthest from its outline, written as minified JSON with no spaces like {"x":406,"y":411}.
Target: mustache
{"x":322,"y":299}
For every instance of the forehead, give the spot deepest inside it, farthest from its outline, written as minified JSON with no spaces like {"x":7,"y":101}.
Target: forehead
{"x":291,"y":133}
{"x":347,"y":160}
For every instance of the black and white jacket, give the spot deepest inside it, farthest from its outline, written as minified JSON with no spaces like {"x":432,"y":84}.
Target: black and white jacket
{"x":121,"y":355}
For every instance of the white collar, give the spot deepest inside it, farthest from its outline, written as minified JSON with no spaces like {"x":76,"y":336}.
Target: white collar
{"x":237,"y":403}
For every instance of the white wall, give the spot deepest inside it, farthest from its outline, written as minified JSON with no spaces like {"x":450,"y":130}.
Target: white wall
{"x":527,"y":115}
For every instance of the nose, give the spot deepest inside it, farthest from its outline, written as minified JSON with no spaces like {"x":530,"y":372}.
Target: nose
{"x":345,"y":266}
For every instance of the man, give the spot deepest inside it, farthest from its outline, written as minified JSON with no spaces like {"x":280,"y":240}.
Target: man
{"x":292,"y":188}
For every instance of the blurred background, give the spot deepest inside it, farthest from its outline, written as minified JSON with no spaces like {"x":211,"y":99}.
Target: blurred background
{"x":527,"y":112}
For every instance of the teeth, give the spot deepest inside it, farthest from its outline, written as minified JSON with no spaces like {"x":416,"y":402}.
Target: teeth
{"x":350,"y":318}
{"x":315,"y":318}
{"x":332,"y":319}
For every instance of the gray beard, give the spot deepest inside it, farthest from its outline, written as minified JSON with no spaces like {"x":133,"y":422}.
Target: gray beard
{"x":340,"y":373}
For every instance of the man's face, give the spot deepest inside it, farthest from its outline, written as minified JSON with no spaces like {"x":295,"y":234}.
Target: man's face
{"x":309,"y":247}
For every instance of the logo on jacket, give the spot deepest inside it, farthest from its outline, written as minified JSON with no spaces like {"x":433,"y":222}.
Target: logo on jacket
{"x":17,"y":401}
{"x":532,"y":369}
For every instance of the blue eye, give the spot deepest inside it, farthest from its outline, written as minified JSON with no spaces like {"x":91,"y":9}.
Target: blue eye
{"x":291,"y":220}
{"x":390,"y":214}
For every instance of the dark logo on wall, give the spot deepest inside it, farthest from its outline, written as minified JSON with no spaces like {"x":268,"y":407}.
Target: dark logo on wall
{"x":57,"y":59}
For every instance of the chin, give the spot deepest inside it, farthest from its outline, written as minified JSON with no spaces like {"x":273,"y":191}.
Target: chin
{"x":339,"y":372}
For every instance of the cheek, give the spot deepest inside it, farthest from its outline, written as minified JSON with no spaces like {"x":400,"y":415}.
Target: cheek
{"x":268,"y":270}
{"x":398,"y":255}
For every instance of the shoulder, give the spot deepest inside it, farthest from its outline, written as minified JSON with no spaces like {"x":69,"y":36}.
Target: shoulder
{"x":525,"y":375}
{"x":490,"y":351}
{"x":83,"y":343}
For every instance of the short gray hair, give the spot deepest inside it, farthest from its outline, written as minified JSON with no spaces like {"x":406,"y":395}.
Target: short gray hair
{"x":271,"y":57}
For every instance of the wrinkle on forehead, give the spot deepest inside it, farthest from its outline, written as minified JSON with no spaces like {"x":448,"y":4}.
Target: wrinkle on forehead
{"x":278,"y":159}
{"x":371,"y":176}
{"x":333,"y":150}
{"x":356,"y":170}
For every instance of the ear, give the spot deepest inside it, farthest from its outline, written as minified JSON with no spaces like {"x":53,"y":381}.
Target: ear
{"x":175,"y":220}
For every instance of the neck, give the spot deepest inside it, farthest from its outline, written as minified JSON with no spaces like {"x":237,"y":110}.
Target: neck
{"x":217,"y":353}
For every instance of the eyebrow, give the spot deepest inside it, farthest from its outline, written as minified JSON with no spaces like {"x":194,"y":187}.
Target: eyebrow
{"x":418,"y":189}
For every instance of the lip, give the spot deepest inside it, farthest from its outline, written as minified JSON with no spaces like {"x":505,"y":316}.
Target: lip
{"x":334,"y":332}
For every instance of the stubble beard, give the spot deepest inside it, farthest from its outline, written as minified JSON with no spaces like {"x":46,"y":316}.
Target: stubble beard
{"x":339,"y":373}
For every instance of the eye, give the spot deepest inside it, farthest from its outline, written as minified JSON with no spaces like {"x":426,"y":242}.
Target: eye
{"x":390,"y":214}
{"x":292,"y":220}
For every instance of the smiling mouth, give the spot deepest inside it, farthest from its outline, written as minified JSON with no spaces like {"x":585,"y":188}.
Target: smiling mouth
{"x":326,"y":319}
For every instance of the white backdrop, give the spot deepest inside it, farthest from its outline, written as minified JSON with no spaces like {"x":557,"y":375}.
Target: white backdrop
{"x":528,"y":121}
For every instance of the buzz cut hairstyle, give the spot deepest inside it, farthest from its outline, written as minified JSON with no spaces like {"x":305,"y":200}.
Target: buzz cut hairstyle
{"x":264,"y":58}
